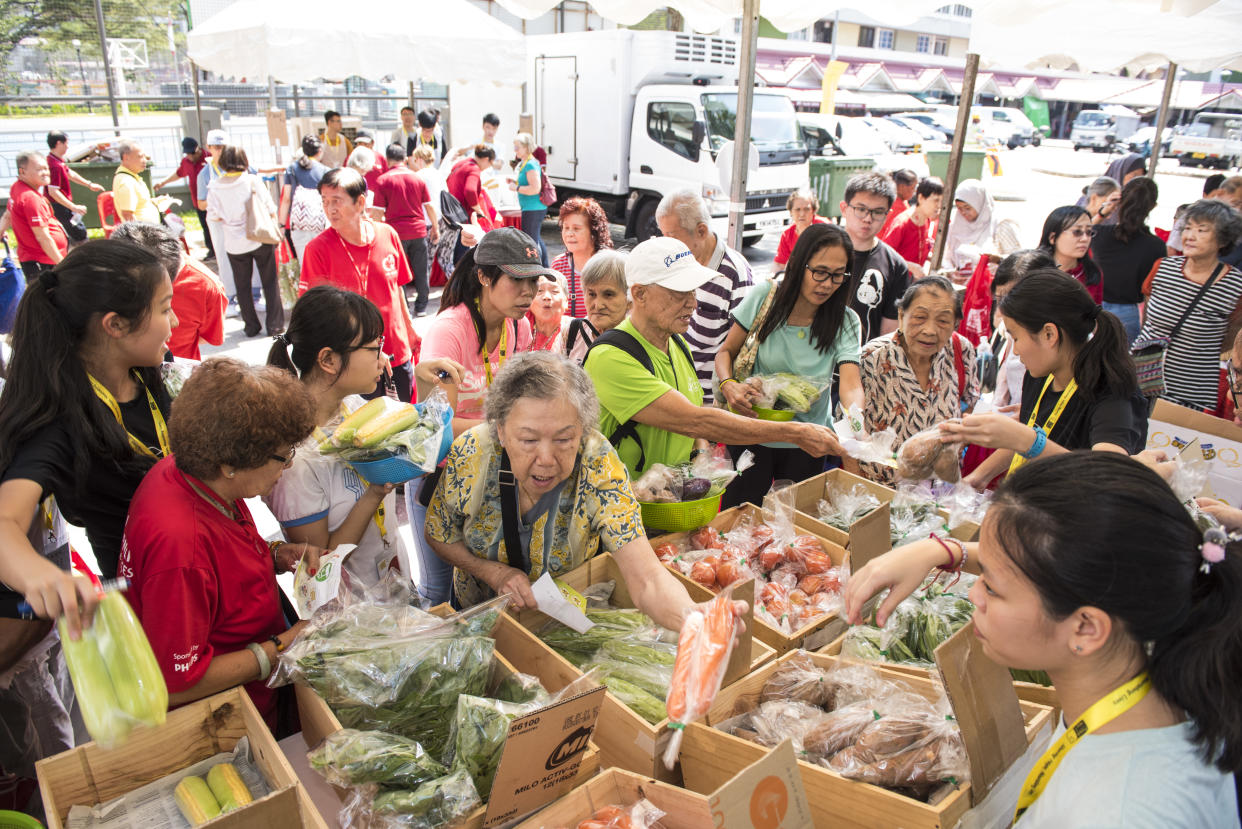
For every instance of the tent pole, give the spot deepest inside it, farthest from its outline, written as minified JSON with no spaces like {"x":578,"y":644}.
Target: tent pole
{"x":198,"y":105}
{"x":741,"y":133}
{"x":1162,"y":117}
{"x":103,"y":45}
{"x":955,"y":157}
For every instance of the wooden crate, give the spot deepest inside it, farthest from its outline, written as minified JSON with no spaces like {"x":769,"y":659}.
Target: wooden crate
{"x":1027,"y":691}
{"x":710,"y":757}
{"x":625,"y":739}
{"x":616,"y":787}
{"x":811,"y":636}
{"x":318,"y":722}
{"x":88,"y":775}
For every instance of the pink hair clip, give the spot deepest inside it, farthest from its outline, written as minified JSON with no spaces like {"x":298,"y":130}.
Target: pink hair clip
{"x":1213,"y":548}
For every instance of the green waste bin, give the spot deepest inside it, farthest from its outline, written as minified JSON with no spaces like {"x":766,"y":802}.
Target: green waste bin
{"x":830,"y":174}
{"x":101,"y":173}
{"x":972,"y":164}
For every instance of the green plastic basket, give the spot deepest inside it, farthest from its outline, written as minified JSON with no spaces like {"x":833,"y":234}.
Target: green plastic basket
{"x":681,"y":516}
{"x":18,"y":820}
{"x":773,"y":414}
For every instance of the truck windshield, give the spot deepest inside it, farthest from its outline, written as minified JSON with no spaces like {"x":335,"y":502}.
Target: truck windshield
{"x":773,"y":123}
{"x":1091,"y":119}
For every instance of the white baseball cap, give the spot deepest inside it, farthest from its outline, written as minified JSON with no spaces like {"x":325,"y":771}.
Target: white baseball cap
{"x":667,"y":262}
{"x":217,"y":138}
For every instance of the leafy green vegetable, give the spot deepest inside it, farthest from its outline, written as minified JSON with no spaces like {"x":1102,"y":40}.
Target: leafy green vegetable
{"x":480,"y":731}
{"x":648,"y":706}
{"x":520,"y":688}
{"x":349,"y":757}
{"x":434,"y":804}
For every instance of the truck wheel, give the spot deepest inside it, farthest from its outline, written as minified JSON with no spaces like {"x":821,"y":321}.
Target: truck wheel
{"x":751,"y":241}
{"x":1077,"y":147}
{"x":645,"y":225}
{"x":1035,"y":139}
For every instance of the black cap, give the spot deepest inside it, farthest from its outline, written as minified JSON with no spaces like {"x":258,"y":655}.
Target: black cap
{"x":513,"y":252}
{"x":188,"y":145}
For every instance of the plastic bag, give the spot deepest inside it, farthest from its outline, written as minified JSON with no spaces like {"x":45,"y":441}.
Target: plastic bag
{"x":799,"y":679}
{"x":704,"y":477}
{"x":914,"y":749}
{"x":964,"y":504}
{"x":642,"y":815}
{"x":869,"y":448}
{"x":925,"y":455}
{"x":913,"y":513}
{"x":784,"y":391}
{"x":349,"y":758}
{"x":703,"y":651}
{"x":915,"y":628}
{"x":313,"y":592}
{"x":434,"y":804}
{"x":1190,"y":473}
{"x":843,"y":507}
{"x":419,"y":442}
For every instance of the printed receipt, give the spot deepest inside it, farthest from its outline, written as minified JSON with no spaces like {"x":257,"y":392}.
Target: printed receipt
{"x":552,"y":601}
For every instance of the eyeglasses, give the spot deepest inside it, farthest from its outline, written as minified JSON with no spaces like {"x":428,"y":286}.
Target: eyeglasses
{"x":378,"y":348}
{"x":286,"y":460}
{"x":1080,"y":232}
{"x":823,"y":275}
{"x":862,"y":212}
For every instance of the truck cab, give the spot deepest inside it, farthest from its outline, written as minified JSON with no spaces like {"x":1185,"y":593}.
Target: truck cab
{"x":1213,"y":139}
{"x":1100,"y":129}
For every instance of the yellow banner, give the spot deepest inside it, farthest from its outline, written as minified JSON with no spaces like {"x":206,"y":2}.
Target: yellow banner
{"x":832,"y":75}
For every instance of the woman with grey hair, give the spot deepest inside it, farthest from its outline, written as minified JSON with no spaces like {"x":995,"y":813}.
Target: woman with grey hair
{"x":528,"y":185}
{"x":568,"y":495}
{"x":1100,"y":198}
{"x":1190,"y":299}
{"x":607,"y":301}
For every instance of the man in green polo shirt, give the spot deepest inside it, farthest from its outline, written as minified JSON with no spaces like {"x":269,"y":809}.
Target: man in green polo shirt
{"x":665,"y":404}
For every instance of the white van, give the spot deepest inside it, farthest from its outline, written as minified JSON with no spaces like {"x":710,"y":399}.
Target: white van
{"x":1008,"y":125}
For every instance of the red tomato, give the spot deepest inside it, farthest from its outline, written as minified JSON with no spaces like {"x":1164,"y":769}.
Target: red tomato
{"x":704,"y":573}
{"x":811,"y":584}
{"x":771,"y":591}
{"x":707,"y":538}
{"x":762,"y":535}
{"x":832,"y":581}
{"x":728,"y":572}
{"x":816,"y":563}
{"x":666,"y":552}
{"x":797,"y":598}
{"x":771,"y":558}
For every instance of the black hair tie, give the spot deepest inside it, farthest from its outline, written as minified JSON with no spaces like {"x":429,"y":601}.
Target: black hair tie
{"x":1094,"y":313}
{"x":50,"y":279}
{"x":282,"y":338}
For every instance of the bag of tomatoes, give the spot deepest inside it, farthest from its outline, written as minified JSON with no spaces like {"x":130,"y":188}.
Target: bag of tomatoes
{"x":642,"y":815}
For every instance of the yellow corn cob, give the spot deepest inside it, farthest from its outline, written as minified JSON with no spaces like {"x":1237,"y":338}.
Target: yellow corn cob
{"x":136,"y":676}
{"x":92,"y":684}
{"x":196,"y":802}
{"x":344,"y":434}
{"x":385,"y":426}
{"x":226,"y":784}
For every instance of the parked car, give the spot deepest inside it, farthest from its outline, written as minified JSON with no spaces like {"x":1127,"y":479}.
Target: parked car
{"x":1140,"y":141}
{"x":929,"y":134}
{"x":899,"y":139}
{"x":1008,"y":125}
{"x":945,"y":123}
{"x":829,"y":135}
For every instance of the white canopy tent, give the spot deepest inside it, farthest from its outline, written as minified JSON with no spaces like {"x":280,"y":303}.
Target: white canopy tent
{"x":300,"y":40}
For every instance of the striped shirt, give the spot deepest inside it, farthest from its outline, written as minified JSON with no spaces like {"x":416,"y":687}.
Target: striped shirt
{"x":575,"y":302}
{"x":1192,"y":362}
{"x":711,"y":320}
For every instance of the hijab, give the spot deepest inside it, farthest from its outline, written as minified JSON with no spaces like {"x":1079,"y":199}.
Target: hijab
{"x":977,"y":233}
{"x":1125,"y":165}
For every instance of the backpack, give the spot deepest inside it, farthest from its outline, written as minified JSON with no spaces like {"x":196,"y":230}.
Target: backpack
{"x":631,"y":346}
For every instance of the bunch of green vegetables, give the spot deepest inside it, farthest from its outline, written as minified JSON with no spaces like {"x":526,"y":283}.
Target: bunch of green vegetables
{"x":915,"y":628}
{"x":634,"y":657}
{"x":444,"y":801}
{"x":351,"y":758}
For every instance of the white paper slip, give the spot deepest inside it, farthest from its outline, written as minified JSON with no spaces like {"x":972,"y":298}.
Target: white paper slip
{"x":551,"y":601}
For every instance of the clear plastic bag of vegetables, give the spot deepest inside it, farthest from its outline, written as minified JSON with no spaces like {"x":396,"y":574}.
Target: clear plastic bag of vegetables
{"x":843,"y":507}
{"x":964,"y":504}
{"x":383,"y":427}
{"x":641,"y":815}
{"x":444,"y":801}
{"x":351,"y":758}
{"x":404,"y":684}
{"x":784,"y":391}
{"x":704,"y":477}
{"x":925,"y":455}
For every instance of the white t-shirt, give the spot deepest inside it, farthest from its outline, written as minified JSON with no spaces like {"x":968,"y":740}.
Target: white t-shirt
{"x":323,"y":486}
{"x":1148,"y":779}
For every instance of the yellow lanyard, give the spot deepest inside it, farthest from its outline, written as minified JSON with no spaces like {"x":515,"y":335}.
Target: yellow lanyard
{"x":1018,"y":460}
{"x":320,"y":437}
{"x":487,"y":363}
{"x":1103,"y":711}
{"x":161,"y":428}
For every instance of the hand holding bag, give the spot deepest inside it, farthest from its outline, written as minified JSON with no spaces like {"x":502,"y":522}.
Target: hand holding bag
{"x":1150,"y":352}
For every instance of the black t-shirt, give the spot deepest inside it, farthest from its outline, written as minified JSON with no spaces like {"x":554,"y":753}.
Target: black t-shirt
{"x":1125,"y":264}
{"x":1117,"y":420}
{"x":102,"y":502}
{"x":882,"y":277}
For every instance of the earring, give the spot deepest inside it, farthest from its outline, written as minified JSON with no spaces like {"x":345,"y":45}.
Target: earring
{"x":231,"y":474}
{"x":1078,"y":649}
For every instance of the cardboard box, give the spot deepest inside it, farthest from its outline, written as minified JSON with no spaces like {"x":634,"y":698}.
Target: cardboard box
{"x":625,"y":739}
{"x":766,"y":795}
{"x":996,"y":729}
{"x":811,"y":636}
{"x":1173,"y":428}
{"x":318,"y":722}
{"x":89,"y":775}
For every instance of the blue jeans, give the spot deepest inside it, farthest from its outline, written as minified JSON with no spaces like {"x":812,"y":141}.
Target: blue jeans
{"x":532,"y":224}
{"x":1129,"y":316}
{"x":435,"y":575}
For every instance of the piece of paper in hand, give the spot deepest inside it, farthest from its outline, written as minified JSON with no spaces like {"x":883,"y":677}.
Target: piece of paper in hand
{"x":313,"y":592}
{"x":552,"y":602}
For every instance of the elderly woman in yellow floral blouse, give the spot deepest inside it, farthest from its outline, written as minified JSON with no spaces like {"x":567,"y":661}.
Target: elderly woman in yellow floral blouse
{"x":569,"y":495}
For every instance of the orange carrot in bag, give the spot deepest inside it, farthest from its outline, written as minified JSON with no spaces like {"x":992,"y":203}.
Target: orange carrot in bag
{"x":703,"y":651}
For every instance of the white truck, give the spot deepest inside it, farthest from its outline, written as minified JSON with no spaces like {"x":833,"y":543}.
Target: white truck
{"x":1213,"y":139}
{"x":1092,"y":127}
{"x":628,"y":116}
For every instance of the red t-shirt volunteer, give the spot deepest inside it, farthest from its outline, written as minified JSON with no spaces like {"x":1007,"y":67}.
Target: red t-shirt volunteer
{"x":464,"y":183}
{"x":911,"y":241}
{"x":28,"y":210}
{"x":199,"y":302}
{"x":376,"y":270}
{"x":790,"y":238}
{"x":201,"y":580}
{"x":402,"y":194}
{"x":59,"y":171}
{"x":190,"y":167}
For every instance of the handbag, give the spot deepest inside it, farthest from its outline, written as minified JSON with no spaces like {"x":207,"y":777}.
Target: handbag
{"x":547,"y":193}
{"x":306,"y":211}
{"x":260,"y":226}
{"x":12,"y":286}
{"x":1150,"y":352}
{"x":744,"y":365}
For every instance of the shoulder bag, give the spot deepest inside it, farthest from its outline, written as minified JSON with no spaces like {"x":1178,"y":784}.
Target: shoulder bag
{"x":306,"y":211}
{"x":260,"y":226}
{"x":1150,"y":352}
{"x":547,"y":193}
{"x":744,"y":365}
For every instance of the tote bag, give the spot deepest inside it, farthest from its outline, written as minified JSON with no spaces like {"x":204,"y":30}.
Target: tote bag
{"x":260,"y":226}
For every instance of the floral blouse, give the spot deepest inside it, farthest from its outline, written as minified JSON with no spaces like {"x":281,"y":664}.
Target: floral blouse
{"x":895,"y":399}
{"x":596,"y":510}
